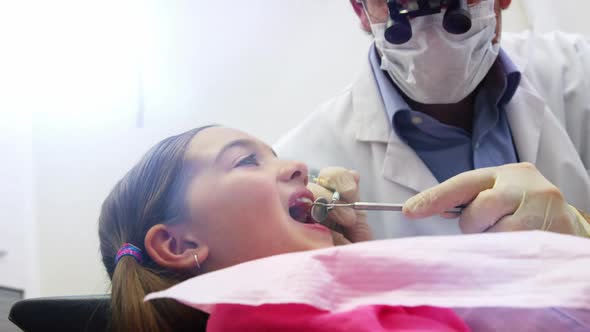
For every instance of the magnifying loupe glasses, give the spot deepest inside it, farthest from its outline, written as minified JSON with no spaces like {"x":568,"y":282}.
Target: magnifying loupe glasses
{"x":397,"y":15}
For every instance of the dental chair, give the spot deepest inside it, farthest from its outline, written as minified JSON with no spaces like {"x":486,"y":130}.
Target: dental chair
{"x":68,"y":313}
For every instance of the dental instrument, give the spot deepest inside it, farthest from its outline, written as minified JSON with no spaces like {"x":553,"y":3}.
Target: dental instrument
{"x":321,"y":207}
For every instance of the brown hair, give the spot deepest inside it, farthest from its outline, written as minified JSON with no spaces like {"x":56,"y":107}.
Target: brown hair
{"x":150,"y":193}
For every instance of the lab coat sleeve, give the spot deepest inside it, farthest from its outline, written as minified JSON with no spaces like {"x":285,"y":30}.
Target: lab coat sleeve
{"x":558,"y":64}
{"x":576,"y":91}
{"x":577,"y":99}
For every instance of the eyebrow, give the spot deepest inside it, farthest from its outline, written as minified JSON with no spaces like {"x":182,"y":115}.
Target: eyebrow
{"x":243,"y":142}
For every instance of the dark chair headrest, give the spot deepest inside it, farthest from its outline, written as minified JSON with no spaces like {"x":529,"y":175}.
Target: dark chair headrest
{"x":68,"y":313}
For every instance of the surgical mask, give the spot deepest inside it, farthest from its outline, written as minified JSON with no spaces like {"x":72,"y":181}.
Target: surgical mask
{"x":437,"y":67}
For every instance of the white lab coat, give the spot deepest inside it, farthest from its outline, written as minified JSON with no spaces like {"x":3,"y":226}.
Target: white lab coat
{"x":549,"y":117}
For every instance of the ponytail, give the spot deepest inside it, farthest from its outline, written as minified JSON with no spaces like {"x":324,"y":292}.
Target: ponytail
{"x":131,"y":282}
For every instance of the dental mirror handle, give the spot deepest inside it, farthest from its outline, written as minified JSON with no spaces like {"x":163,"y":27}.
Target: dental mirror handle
{"x":376,"y":206}
{"x":381,"y":206}
{"x":392,"y":207}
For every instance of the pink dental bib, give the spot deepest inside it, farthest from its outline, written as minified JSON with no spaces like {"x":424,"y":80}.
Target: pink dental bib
{"x":523,"y":274}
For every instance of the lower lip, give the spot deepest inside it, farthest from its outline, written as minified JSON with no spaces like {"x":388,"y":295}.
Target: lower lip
{"x":318,"y":227}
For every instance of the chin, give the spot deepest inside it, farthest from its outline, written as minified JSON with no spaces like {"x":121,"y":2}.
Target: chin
{"x":322,"y":244}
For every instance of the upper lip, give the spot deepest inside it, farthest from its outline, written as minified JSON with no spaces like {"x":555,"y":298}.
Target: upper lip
{"x":298,"y":194}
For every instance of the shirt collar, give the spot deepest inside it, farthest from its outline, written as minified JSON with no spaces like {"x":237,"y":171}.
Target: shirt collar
{"x":392,"y":99}
{"x":506,"y":70}
{"x":512,"y":75}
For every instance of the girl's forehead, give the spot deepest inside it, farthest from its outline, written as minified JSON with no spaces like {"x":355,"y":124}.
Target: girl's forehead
{"x":208,"y":142}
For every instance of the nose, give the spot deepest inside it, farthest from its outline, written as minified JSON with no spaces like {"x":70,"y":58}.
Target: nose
{"x":293,"y":171}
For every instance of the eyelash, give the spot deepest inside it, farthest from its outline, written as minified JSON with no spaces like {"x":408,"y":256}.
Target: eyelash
{"x":248,"y":161}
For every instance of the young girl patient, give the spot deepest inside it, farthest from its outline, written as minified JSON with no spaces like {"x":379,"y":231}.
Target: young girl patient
{"x":208,"y":199}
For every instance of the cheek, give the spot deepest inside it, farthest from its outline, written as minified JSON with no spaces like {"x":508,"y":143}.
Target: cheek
{"x":378,"y":11}
{"x":242,"y":200}
{"x":239,"y":220}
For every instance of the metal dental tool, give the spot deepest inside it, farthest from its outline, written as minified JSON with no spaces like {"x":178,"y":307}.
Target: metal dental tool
{"x":321,"y":207}
{"x":319,"y":213}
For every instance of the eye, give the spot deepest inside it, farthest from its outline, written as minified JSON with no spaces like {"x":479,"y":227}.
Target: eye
{"x":250,"y":160}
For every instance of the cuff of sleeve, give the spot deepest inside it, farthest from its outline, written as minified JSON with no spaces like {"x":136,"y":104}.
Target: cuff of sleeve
{"x":584,"y":225}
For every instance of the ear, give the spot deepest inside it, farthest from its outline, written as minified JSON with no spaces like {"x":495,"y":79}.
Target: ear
{"x":360,"y":12}
{"x":504,"y":4}
{"x":174,"y":247}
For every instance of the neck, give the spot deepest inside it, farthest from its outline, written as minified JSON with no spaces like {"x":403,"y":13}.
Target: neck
{"x":458,"y":115}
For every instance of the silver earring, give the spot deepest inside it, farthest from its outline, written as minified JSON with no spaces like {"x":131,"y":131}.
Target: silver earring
{"x":197,"y":260}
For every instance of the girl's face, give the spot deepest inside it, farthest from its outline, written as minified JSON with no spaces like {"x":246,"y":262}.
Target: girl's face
{"x":243,"y":200}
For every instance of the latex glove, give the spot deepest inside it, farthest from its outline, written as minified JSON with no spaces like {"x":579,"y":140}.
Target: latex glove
{"x":353,"y":222}
{"x":506,"y":198}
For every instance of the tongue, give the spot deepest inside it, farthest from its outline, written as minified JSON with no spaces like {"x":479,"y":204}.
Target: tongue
{"x":300,"y":212}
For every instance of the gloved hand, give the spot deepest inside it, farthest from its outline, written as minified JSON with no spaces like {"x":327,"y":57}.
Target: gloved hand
{"x":353,"y":222}
{"x":511,"y":197}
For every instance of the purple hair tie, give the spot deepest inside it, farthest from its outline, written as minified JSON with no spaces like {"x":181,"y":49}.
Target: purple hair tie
{"x":129,"y":250}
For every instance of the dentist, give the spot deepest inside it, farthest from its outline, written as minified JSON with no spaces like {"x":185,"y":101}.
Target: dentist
{"x":497,"y":123}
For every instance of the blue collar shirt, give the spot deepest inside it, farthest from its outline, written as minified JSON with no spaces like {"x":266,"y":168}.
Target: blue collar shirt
{"x":447,"y":150}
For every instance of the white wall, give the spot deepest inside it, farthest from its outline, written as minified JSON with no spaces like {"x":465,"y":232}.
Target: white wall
{"x":101,"y":69}
{"x":244,"y":64}
{"x":18,"y":238}
{"x":18,"y":232}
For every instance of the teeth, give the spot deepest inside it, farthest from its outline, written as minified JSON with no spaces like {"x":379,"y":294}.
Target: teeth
{"x":305,"y":200}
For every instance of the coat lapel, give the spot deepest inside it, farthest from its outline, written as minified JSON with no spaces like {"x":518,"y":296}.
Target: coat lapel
{"x":401,"y":165}
{"x":526,"y":114}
